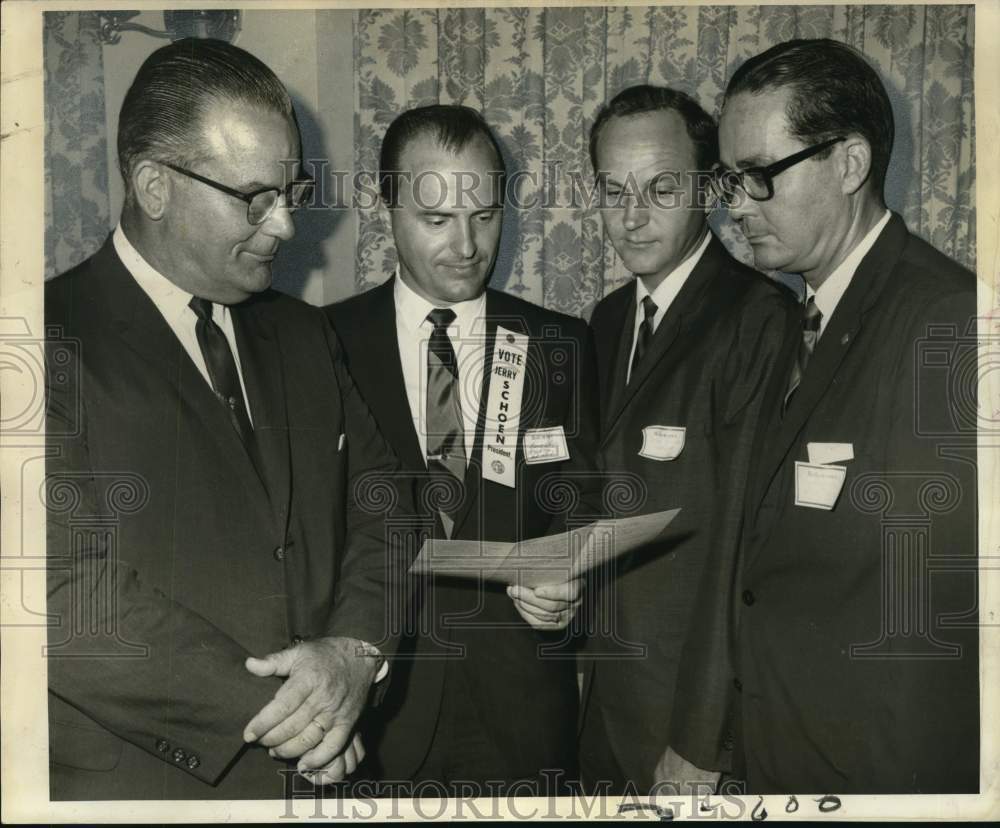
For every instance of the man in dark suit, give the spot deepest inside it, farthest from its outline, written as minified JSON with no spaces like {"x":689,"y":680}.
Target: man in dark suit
{"x":856,"y":666}
{"x":208,"y":529}
{"x":684,"y":353}
{"x":487,"y":697}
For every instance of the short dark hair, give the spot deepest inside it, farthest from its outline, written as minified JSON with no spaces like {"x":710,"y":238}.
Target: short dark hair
{"x":173,"y":90}
{"x":454,"y":127}
{"x":835,"y":91}
{"x":638,"y":100}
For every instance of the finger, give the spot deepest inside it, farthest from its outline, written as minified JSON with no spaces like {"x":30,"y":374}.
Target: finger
{"x":273,"y":664}
{"x":568,"y":592}
{"x":359,"y":748}
{"x":286,"y":702}
{"x":350,"y":760}
{"x":323,"y":753}
{"x":536,"y":621}
{"x":334,"y":772}
{"x":535,"y":614}
{"x":306,"y":734}
{"x":530,"y":599}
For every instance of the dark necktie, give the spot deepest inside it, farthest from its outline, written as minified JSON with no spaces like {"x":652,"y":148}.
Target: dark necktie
{"x":811,"y":319}
{"x":445,"y":426}
{"x":645,"y":333}
{"x":222,"y":369}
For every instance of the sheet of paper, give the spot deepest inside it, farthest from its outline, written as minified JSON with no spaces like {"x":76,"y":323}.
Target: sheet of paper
{"x":821,"y":454}
{"x":548,"y":560}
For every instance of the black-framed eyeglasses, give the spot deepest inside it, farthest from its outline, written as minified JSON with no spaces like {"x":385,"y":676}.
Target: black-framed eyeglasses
{"x":260,"y":203}
{"x":758,"y":182}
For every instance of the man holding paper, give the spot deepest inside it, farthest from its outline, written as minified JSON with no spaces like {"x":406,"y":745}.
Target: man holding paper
{"x":480,"y":391}
{"x":857,"y":650}
{"x":684,"y":353}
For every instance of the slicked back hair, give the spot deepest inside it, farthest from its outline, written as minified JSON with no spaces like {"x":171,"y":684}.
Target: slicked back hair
{"x":163,"y":110}
{"x":835,"y":91}
{"x":452,"y":126}
{"x":638,"y":100}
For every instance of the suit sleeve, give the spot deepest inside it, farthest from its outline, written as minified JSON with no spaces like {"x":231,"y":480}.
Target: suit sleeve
{"x":111,"y":634}
{"x":369,"y":599}
{"x":702,"y":723}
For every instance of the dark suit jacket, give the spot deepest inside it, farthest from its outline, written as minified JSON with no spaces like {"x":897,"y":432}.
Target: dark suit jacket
{"x":527,"y":699}
{"x":170,"y":559}
{"x":858,"y":648}
{"x":706,"y":372}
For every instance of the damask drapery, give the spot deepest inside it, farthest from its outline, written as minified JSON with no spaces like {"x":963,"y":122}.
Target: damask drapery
{"x":540,"y":74}
{"x":76,"y":160}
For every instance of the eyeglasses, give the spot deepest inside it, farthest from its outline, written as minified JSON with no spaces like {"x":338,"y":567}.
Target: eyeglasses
{"x":260,"y":203}
{"x":758,"y":182}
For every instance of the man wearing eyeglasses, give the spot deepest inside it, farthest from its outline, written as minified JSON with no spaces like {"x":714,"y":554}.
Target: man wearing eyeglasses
{"x":207,"y":456}
{"x":855,"y":670}
{"x":684,"y":352}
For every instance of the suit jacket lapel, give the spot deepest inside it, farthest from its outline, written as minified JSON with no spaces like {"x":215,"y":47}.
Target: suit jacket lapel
{"x":621,"y":320}
{"x":263,"y":375}
{"x":838,"y":338}
{"x":680,"y":315}
{"x":379,"y":371}
{"x":144,"y":330}
{"x":473,"y":473}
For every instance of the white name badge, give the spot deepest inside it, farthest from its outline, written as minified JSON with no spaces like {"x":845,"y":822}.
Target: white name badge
{"x":503,"y":407}
{"x":823,"y":453}
{"x":816,"y":486}
{"x":545,"y":445}
{"x":662,"y":442}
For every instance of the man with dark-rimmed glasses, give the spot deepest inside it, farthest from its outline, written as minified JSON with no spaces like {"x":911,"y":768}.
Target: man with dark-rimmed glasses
{"x":853,"y":670}
{"x":212,"y":421}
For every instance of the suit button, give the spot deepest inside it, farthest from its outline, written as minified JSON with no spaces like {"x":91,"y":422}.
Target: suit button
{"x":279,"y":553}
{"x":748,"y":597}
{"x":193,"y":761}
{"x":296,"y":640}
{"x":179,"y":756}
{"x":162,"y":745}
{"x":738,"y":685}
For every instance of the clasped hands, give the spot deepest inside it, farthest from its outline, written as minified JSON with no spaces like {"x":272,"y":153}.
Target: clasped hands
{"x":312,"y":716}
{"x":548,"y":607}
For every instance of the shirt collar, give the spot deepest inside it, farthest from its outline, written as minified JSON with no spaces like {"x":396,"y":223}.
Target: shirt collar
{"x":169,"y":299}
{"x":412,"y":309}
{"x":668,"y":289}
{"x":830,"y":292}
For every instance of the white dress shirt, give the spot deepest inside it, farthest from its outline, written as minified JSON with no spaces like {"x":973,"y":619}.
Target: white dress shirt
{"x":468,"y":338}
{"x":832,"y":290}
{"x":663,"y":296}
{"x":172,"y":303}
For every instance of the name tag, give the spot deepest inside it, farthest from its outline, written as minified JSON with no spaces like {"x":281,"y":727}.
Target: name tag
{"x":662,"y":442}
{"x":823,"y":453}
{"x":816,"y":486}
{"x":545,"y":445}
{"x":508,"y":367}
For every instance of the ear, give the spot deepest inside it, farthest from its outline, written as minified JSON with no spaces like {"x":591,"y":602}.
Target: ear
{"x":857,"y":164}
{"x":151,"y":189}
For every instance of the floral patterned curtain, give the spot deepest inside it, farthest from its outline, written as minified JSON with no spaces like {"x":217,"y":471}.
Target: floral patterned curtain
{"x":540,"y":74}
{"x":76,"y":161}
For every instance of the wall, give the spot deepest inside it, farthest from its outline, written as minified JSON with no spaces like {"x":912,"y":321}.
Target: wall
{"x":319,"y":265}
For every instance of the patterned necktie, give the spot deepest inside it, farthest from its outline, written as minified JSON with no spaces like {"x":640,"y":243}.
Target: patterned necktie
{"x":445,"y":426}
{"x":810,"y":334}
{"x":222,"y":369}
{"x":645,"y":333}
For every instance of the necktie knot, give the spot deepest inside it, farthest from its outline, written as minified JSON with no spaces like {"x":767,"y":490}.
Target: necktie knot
{"x":441,"y":318}
{"x":202,"y":308}
{"x":649,"y":309}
